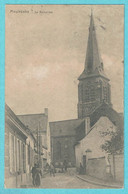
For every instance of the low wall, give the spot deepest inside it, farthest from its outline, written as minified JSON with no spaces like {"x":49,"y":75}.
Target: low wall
{"x":96,"y":167}
{"x":117,"y":166}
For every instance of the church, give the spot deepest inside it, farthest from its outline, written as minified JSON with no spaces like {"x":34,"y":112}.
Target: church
{"x":94,"y":109}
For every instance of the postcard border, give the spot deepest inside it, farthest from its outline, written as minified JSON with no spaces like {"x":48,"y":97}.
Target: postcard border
{"x":2,"y":93}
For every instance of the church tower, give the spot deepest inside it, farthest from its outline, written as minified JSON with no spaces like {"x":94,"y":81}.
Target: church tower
{"x":94,"y":87}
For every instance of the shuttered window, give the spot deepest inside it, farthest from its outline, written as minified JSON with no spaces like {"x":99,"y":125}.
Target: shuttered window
{"x":24,"y":158}
{"x":11,"y":153}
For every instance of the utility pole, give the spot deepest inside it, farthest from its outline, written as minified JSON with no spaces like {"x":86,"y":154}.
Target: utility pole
{"x":38,"y":144}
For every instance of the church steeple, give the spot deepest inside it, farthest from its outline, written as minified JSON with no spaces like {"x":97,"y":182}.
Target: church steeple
{"x":94,"y":87}
{"x":93,"y":61}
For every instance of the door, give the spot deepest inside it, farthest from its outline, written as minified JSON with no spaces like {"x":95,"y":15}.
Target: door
{"x":84,"y":164}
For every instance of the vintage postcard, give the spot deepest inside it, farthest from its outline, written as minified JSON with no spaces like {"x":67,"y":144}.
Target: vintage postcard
{"x":64,"y":96}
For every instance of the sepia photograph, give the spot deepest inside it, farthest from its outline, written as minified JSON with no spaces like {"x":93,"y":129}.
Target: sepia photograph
{"x":64,"y":96}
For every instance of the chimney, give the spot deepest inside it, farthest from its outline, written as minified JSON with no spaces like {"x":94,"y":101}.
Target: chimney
{"x":46,"y":111}
{"x":87,"y":125}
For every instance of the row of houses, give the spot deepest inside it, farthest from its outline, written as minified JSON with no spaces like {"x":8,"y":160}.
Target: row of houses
{"x":21,"y":145}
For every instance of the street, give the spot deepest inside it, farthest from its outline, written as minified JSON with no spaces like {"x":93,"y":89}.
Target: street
{"x":65,"y":181}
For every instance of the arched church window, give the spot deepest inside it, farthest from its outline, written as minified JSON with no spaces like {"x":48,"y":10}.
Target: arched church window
{"x":90,"y":94}
{"x":58,"y":150}
{"x":105,"y":94}
{"x":81,"y":92}
{"x":87,"y":95}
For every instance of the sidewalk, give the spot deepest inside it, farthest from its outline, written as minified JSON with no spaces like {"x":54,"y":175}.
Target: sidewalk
{"x":100,"y":182}
{"x":29,"y":184}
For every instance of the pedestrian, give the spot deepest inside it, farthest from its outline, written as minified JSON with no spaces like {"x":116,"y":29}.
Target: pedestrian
{"x":37,"y":178}
{"x":47,"y":167}
{"x":34,"y":170}
{"x":65,"y":165}
{"x":52,"y":169}
{"x":81,"y":170}
{"x":62,"y":167}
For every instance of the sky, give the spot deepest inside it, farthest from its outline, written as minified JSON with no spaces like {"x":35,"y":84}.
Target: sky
{"x":45,"y":54}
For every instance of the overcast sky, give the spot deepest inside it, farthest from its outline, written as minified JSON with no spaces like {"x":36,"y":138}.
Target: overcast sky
{"x":45,"y":54}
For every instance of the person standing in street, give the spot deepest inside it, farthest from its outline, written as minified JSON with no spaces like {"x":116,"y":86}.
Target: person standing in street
{"x":52,"y":169}
{"x":34,"y":170}
{"x":65,"y":165}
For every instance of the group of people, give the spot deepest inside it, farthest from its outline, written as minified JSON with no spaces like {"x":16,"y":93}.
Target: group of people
{"x":64,"y":166}
{"x":37,"y":173}
{"x":50,"y":168}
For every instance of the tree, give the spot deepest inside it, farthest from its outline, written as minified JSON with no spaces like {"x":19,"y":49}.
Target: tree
{"x":115,"y":143}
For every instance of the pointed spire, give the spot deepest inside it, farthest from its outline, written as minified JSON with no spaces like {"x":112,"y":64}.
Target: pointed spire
{"x":93,"y":62}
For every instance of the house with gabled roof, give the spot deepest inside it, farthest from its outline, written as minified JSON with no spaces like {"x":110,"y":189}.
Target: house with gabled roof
{"x":38,"y":123}
{"x":19,"y":151}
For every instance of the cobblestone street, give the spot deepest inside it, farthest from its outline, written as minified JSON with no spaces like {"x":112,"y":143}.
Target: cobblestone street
{"x":65,"y":181}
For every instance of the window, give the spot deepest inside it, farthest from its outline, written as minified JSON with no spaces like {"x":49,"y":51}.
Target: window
{"x":21,"y":157}
{"x":66,"y":146}
{"x":29,"y":154}
{"x":92,"y":94}
{"x":58,"y":153}
{"x":24,"y":158}
{"x":11,"y":153}
{"x":18,"y":155}
{"x":15,"y":152}
{"x":81,"y":92}
{"x":105,"y":94}
{"x":89,"y":94}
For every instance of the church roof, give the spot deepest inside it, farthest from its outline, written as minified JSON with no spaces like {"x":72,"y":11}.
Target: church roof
{"x":76,"y":127}
{"x":93,"y":61}
{"x":65,"y":127}
{"x":34,"y":120}
{"x":104,"y":110}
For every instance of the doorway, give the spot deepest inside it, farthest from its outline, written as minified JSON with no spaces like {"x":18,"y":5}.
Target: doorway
{"x":84,"y":164}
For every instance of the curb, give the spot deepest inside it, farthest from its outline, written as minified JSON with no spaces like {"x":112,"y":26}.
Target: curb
{"x":100,"y":184}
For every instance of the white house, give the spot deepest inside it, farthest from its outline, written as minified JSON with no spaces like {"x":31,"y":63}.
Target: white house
{"x":95,"y":161}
